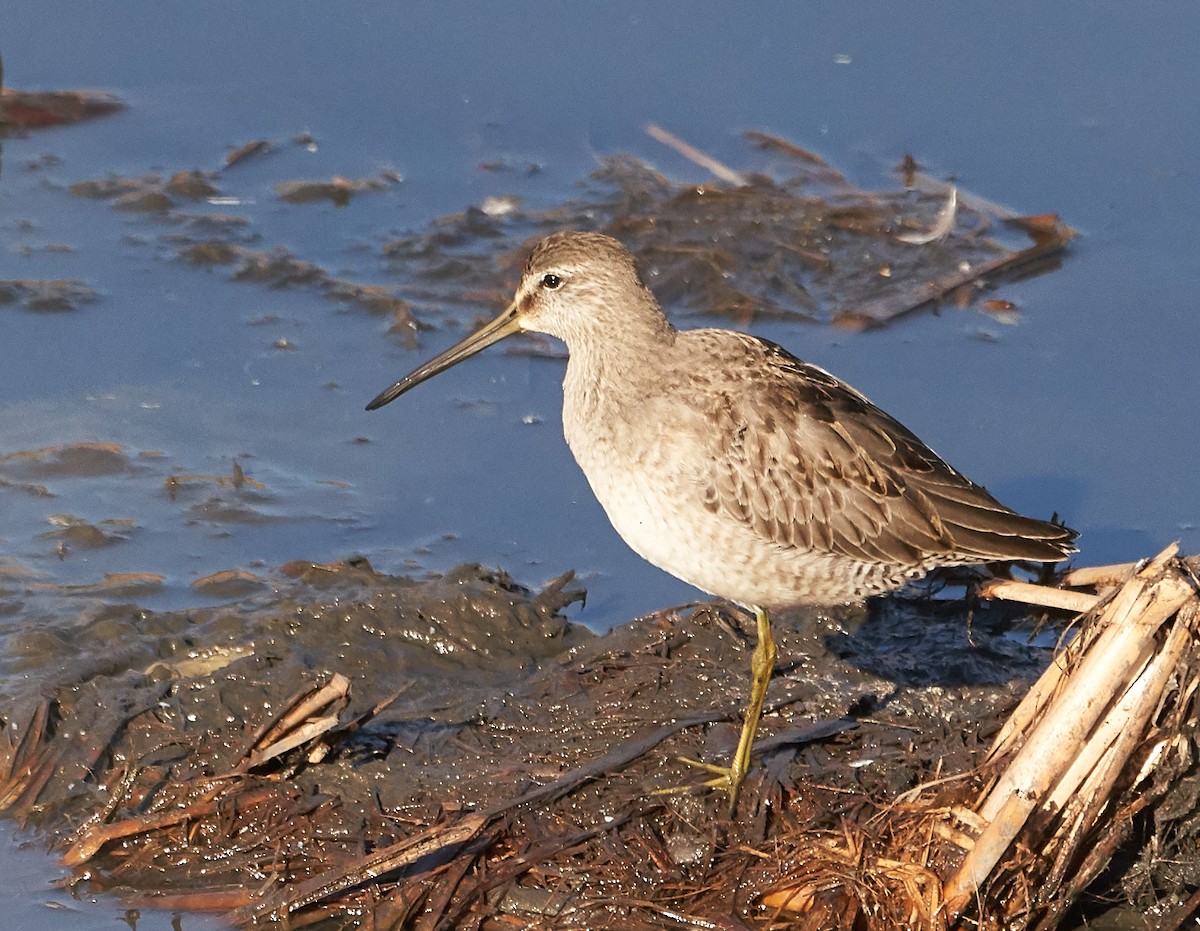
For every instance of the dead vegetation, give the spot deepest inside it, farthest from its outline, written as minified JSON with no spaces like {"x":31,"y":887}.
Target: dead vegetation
{"x":789,"y":238}
{"x":29,"y":110}
{"x":1104,"y":737}
{"x":794,"y":239}
{"x":368,"y":799}
{"x":46,"y":296}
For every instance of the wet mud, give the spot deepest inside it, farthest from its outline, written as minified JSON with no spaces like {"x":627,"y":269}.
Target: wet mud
{"x":154,"y":750}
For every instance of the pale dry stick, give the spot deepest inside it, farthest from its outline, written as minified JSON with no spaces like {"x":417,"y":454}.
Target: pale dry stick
{"x":1041,"y":694}
{"x":1108,"y":750}
{"x":1159,"y":562}
{"x":1042,"y":595}
{"x":1047,"y":686}
{"x":981,"y":858}
{"x":300,"y":735}
{"x":707,"y":162}
{"x":1078,"y":875}
{"x":1119,"y":734}
{"x":1030,"y":709}
{"x":1101,"y":674}
{"x":909,"y":796}
{"x":960,"y":839}
{"x":1056,"y":739}
{"x":336,"y":689}
{"x":1121,"y":719}
{"x":1099,"y":576}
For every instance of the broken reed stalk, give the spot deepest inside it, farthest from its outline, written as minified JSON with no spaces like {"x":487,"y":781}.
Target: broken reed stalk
{"x":1088,"y":718}
{"x":380,"y":862}
{"x":1115,"y":742}
{"x":1103,"y":672}
{"x":718,"y":169}
{"x":1028,"y":593}
{"x":1100,"y":576}
{"x":19,"y":762}
{"x":88,"y":842}
{"x":1046,"y":688}
{"x":303,"y":705}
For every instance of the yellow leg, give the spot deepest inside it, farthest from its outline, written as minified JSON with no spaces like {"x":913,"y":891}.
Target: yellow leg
{"x":762,"y":664}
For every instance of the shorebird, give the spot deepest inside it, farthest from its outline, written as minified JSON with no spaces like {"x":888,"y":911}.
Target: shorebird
{"x":736,"y":467}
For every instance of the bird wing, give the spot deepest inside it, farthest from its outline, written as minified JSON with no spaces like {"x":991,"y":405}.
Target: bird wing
{"x":809,"y":463}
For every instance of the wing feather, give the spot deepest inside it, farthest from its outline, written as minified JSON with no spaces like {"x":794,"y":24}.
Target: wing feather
{"x":810,"y":463}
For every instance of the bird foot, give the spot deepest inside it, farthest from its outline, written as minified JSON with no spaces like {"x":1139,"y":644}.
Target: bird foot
{"x":727,"y":779}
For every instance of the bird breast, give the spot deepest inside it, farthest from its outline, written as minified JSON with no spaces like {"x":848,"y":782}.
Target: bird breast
{"x":699,"y":484}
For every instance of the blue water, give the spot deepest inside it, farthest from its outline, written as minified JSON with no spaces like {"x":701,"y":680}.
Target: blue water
{"x":1086,"y":407}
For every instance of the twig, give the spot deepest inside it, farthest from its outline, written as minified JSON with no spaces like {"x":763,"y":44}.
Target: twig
{"x":88,"y":844}
{"x":300,"y":735}
{"x":510,"y":868}
{"x":812,"y":164}
{"x":1043,"y":595}
{"x":20,"y":761}
{"x":435,"y":840}
{"x":387,"y":860}
{"x":299,"y":707}
{"x":1087,"y":786}
{"x":707,"y":162}
{"x":1099,"y":576}
{"x":615,"y":760}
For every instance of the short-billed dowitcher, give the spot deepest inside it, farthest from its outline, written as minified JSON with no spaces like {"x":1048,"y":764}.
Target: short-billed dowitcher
{"x":731,"y":464}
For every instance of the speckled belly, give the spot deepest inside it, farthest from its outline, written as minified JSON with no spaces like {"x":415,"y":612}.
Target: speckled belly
{"x":663,"y":519}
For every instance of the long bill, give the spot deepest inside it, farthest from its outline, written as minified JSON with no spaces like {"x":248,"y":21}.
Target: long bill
{"x":504,"y":325}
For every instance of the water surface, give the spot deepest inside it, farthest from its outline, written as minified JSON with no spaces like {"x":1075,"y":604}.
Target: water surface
{"x":1084,"y":407}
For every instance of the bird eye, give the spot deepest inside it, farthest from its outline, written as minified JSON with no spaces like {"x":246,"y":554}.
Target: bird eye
{"x":551,"y":282}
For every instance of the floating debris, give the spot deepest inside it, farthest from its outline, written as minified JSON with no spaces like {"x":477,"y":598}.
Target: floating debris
{"x":797,"y":241}
{"x":337,"y":189}
{"x":810,"y":246}
{"x":75,"y":532}
{"x":69,"y":460}
{"x":942,"y":227}
{"x":193,"y":184}
{"x":279,"y":268}
{"x":149,"y":193}
{"x":230,"y":583}
{"x":38,"y":109}
{"x":113,"y":585}
{"x":238,"y":154}
{"x":49,"y":296}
